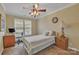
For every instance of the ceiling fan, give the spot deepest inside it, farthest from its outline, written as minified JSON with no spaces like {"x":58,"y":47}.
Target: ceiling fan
{"x":35,"y":11}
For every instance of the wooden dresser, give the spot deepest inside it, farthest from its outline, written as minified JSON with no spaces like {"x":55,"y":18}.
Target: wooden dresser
{"x":8,"y":41}
{"x":62,"y":42}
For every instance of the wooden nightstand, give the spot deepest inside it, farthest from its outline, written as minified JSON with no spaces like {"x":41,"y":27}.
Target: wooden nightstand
{"x":62,"y":42}
{"x":8,"y":41}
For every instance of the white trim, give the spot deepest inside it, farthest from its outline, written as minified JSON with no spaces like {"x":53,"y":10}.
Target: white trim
{"x":69,"y":5}
{"x":73,"y":48}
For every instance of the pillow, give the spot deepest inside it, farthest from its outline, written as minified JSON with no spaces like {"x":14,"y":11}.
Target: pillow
{"x":47,"y":33}
{"x":53,"y":33}
{"x":50,"y":33}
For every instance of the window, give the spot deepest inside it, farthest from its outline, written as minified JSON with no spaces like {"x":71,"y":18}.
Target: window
{"x":28,"y":27}
{"x":22,"y":27}
{"x":18,"y":27}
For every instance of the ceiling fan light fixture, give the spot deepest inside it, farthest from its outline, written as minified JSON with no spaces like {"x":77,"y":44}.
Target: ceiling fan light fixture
{"x":31,"y":14}
{"x":35,"y":11}
{"x":36,"y":6}
{"x":37,"y":14}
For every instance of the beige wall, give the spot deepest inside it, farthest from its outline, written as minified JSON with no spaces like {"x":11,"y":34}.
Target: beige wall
{"x":34,"y":27}
{"x":10,"y":23}
{"x":70,"y":16}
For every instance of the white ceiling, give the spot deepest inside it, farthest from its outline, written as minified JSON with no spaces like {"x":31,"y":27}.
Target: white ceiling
{"x":16,"y":9}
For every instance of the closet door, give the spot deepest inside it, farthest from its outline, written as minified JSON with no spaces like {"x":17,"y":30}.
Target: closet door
{"x":1,"y":42}
{"x":2,"y":30}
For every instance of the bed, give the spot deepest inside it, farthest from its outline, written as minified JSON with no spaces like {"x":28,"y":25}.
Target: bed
{"x":34,"y":44}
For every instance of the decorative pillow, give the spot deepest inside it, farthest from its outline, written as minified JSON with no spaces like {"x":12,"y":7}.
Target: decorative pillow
{"x":53,"y":33}
{"x":47,"y":34}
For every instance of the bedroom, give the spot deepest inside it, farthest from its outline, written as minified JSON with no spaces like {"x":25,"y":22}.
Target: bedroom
{"x":18,"y":25}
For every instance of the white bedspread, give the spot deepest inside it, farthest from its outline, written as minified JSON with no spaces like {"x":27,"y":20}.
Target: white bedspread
{"x":38,"y":41}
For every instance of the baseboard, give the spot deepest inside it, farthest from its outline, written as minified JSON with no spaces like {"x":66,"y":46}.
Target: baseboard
{"x":73,"y":48}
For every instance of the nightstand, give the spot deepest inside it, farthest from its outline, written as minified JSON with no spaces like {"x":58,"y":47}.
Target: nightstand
{"x":8,"y":40}
{"x":62,"y":42}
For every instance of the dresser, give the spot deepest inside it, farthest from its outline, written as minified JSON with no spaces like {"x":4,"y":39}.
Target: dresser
{"x":9,"y":41}
{"x":62,"y":42}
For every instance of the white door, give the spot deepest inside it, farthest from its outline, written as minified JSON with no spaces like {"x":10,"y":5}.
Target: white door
{"x":1,"y":42}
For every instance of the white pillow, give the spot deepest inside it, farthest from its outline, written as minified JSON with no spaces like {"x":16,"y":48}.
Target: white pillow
{"x":50,"y":33}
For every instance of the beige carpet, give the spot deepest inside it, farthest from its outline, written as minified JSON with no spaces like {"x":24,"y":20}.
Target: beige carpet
{"x":19,"y":50}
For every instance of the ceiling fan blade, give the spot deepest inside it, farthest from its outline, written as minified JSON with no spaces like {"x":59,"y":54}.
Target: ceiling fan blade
{"x":42,"y":10}
{"x":25,"y":8}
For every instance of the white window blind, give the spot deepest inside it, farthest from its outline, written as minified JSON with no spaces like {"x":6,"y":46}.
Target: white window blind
{"x":22,"y":26}
{"x":28,"y":27}
{"x":18,"y":27}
